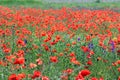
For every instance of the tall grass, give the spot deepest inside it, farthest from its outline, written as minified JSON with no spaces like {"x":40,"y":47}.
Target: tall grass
{"x":46,"y":5}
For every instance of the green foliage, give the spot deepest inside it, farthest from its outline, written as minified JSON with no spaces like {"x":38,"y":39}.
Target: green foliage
{"x":97,"y":1}
{"x":45,"y":5}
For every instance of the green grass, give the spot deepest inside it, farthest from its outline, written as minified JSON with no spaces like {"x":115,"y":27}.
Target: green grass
{"x":44,"y":5}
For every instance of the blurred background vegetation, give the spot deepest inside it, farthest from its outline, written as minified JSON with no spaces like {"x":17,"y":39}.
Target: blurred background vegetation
{"x":46,"y":4}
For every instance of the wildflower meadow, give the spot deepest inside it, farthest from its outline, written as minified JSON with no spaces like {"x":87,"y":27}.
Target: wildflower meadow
{"x":59,"y":44}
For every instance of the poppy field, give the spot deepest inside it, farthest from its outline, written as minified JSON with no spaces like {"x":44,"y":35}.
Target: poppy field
{"x":59,"y":44}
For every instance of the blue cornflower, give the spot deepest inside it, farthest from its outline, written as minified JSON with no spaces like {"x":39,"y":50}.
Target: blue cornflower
{"x":90,"y":45}
{"x":25,"y":41}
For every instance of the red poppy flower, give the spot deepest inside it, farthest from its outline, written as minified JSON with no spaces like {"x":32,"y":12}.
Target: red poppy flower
{"x":43,"y":34}
{"x":46,"y":48}
{"x":85,"y":49}
{"x":68,"y":71}
{"x":54,"y":59}
{"x":85,"y":72}
{"x":89,"y":62}
{"x":118,"y":61}
{"x":119,"y":69}
{"x":93,"y":78}
{"x":72,"y":54}
{"x":22,"y":75}
{"x":7,"y":50}
{"x":32,"y":65}
{"x":118,"y":78}
{"x":45,"y":78}
{"x":75,"y":61}
{"x":20,"y":42}
{"x":39,"y":61}
{"x":79,"y":77}
{"x":19,"y":60}
{"x":36,"y":74}
{"x":20,"y":53}
{"x":101,"y":78}
{"x":13,"y":77}
{"x":118,"y":51}
{"x":58,"y":37}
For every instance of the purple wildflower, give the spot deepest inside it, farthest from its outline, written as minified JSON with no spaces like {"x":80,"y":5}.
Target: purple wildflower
{"x":113,"y":46}
{"x":79,"y":39}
